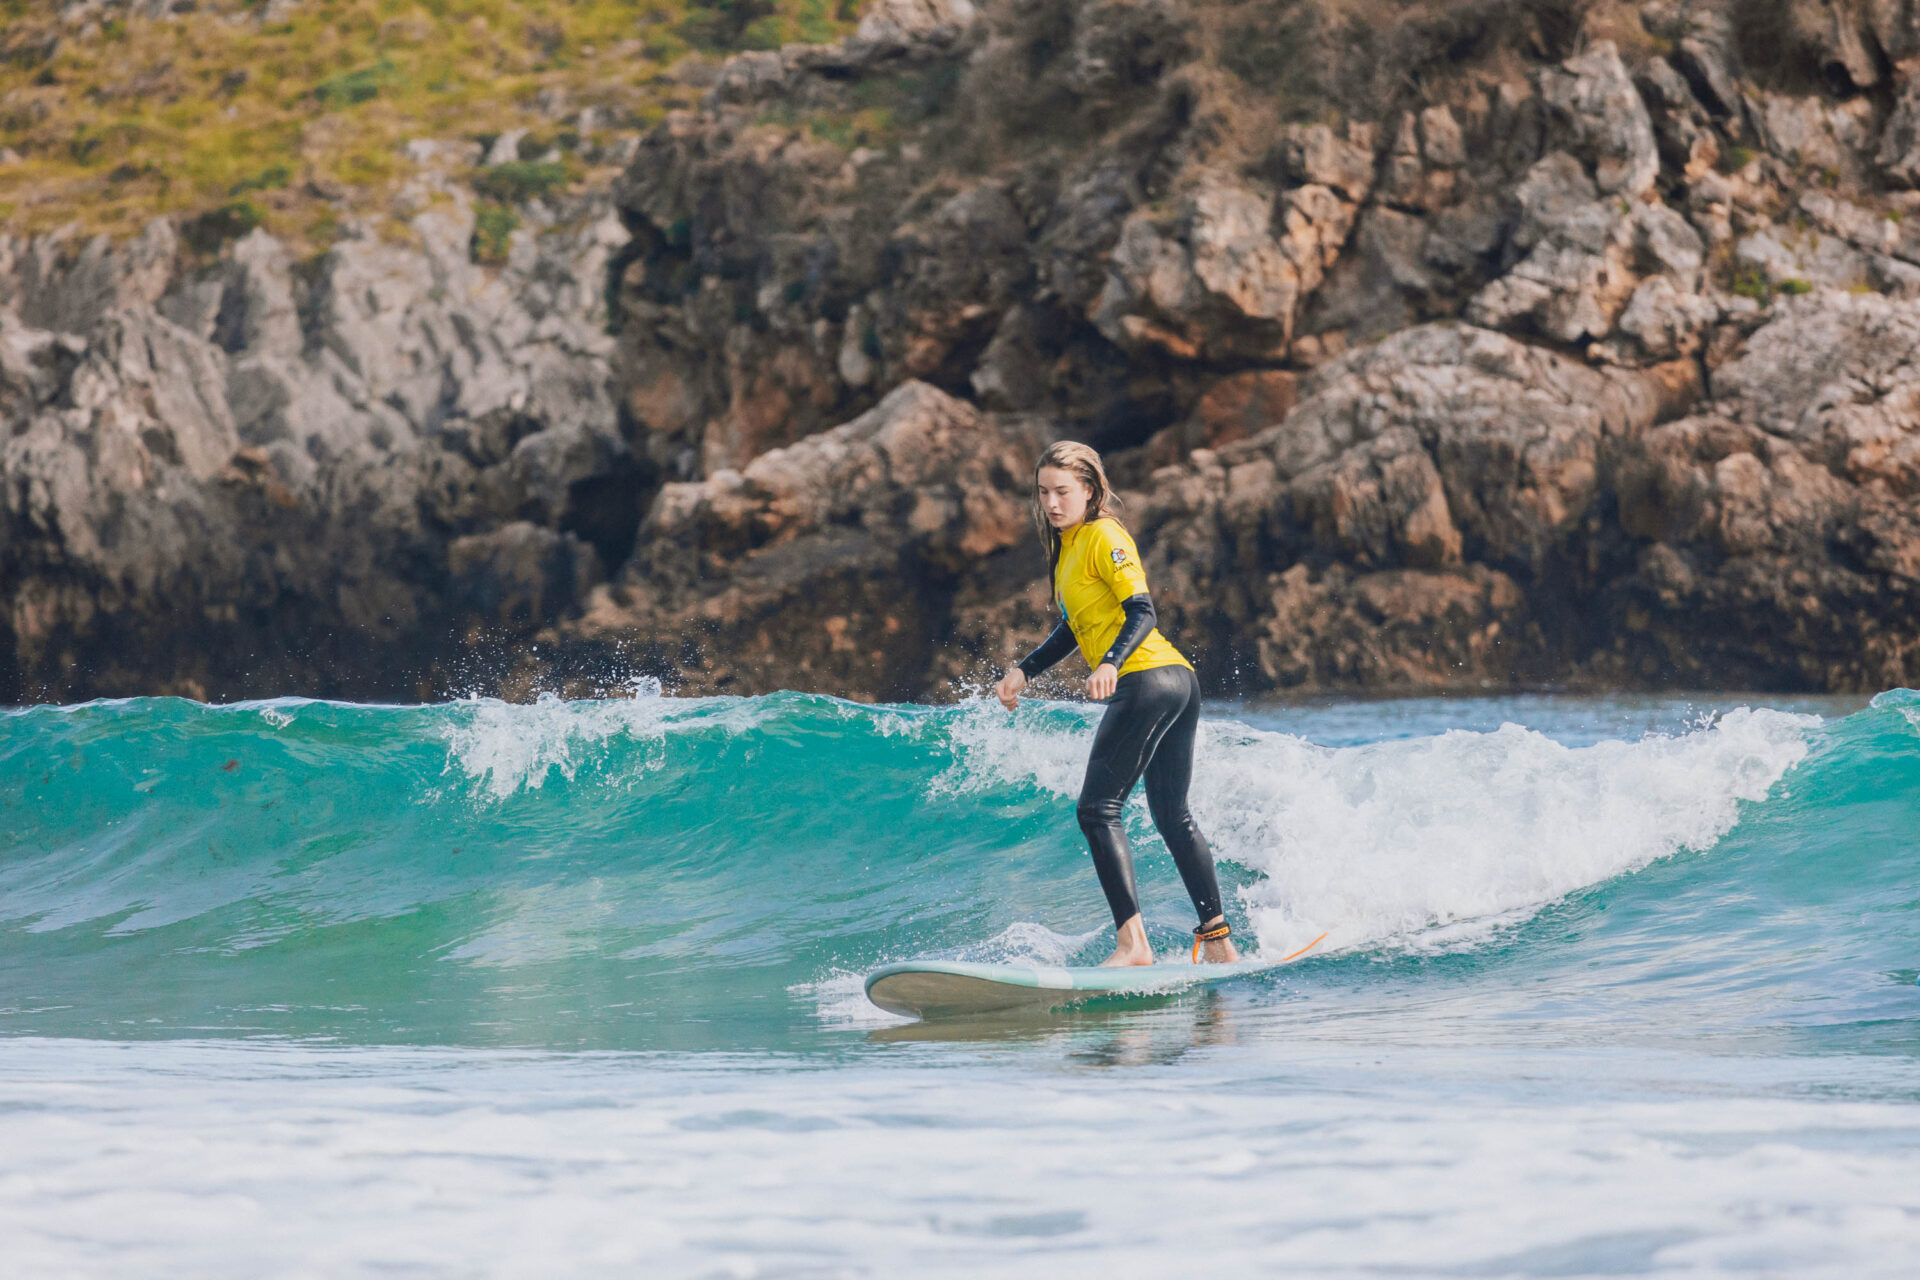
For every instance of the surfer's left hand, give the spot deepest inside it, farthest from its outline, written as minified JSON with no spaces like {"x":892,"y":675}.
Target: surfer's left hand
{"x":1100,"y":683}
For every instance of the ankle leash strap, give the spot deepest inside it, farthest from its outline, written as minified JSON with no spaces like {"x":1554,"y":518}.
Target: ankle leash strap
{"x":1201,"y":933}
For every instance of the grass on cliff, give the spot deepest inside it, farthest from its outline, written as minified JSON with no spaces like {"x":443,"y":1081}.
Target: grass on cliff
{"x":229,"y":121}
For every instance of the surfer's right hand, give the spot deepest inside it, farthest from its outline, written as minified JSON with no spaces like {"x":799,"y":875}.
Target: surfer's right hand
{"x":1008,"y":690}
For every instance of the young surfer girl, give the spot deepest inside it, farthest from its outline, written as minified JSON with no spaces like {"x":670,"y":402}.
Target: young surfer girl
{"x":1153,"y":705}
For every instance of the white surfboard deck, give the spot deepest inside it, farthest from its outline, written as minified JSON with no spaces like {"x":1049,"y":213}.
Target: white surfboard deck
{"x":949,"y":988}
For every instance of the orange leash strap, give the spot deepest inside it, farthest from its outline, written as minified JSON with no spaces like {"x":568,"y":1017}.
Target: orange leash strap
{"x":1203,"y":934}
{"x":1221,"y":932}
{"x":1302,"y":951}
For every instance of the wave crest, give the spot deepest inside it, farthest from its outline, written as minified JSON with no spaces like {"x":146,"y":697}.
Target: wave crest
{"x":1393,"y":841}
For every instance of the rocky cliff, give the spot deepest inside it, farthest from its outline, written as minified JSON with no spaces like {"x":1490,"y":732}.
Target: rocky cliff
{"x":375,"y":473}
{"x":1520,"y":341}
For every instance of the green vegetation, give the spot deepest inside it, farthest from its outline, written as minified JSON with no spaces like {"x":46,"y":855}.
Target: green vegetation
{"x":862,"y":127}
{"x":521,"y":180}
{"x":271,"y":178}
{"x":723,"y":25}
{"x":493,"y":226}
{"x":226,"y":122}
{"x":208,"y":231}
{"x":354,"y":87}
{"x":1753,"y":282}
{"x":1735,"y":158}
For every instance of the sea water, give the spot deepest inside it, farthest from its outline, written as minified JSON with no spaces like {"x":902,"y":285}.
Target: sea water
{"x":1611,"y":986}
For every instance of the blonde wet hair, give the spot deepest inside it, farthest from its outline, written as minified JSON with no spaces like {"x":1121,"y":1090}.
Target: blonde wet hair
{"x":1083,"y":463}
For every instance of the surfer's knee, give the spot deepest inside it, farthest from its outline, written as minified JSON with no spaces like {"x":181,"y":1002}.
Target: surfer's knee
{"x":1098,"y":813}
{"x":1169,"y":813}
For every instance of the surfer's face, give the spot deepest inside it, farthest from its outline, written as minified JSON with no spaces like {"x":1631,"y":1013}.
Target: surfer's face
{"x":1064,"y":497}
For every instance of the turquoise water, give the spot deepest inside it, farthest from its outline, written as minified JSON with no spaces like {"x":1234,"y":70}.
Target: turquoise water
{"x":1611,"y":986}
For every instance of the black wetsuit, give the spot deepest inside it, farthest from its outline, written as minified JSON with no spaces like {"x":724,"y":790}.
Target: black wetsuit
{"x":1148,"y":729}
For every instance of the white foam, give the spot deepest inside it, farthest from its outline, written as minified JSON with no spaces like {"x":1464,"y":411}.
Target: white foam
{"x":840,"y":998}
{"x":1386,"y":843}
{"x":505,"y":747}
{"x":1026,"y":942}
{"x":1905,"y":701}
{"x":181,"y":1160}
{"x":840,"y":1001}
{"x":1042,"y":744}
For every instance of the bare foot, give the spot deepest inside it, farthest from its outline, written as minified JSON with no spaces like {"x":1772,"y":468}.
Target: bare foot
{"x":1133,"y":948}
{"x":1219,"y":950}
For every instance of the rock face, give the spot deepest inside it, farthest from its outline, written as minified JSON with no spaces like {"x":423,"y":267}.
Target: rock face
{"x":1130,"y":222}
{"x":1779,"y":521}
{"x":1424,"y":516}
{"x":1466,"y":344}
{"x":263,"y":476}
{"x":833,"y":562}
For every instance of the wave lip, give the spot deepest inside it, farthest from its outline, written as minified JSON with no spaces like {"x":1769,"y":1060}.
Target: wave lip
{"x":1902,"y":702}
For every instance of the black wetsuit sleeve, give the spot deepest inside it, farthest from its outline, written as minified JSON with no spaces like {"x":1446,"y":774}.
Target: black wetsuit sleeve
{"x":1139,"y":624}
{"x":1051,"y":650}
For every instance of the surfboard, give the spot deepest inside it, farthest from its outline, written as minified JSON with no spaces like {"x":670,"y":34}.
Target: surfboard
{"x":953,"y":988}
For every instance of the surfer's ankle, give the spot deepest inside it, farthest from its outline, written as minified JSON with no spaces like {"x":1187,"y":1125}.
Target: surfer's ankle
{"x":1220,"y":952}
{"x":1212,"y":942}
{"x":1130,"y":945}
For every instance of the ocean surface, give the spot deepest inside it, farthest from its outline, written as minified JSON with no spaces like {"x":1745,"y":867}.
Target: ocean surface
{"x":1613,"y":986}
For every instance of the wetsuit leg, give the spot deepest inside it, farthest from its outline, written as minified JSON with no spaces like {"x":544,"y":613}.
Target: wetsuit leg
{"x":1144,"y":705}
{"x":1168,"y":775}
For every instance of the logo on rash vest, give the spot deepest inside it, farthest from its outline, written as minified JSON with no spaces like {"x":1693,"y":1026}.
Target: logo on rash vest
{"x":1119,"y":556}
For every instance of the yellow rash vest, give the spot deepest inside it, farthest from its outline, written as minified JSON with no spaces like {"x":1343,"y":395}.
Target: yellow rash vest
{"x":1099,"y":567}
